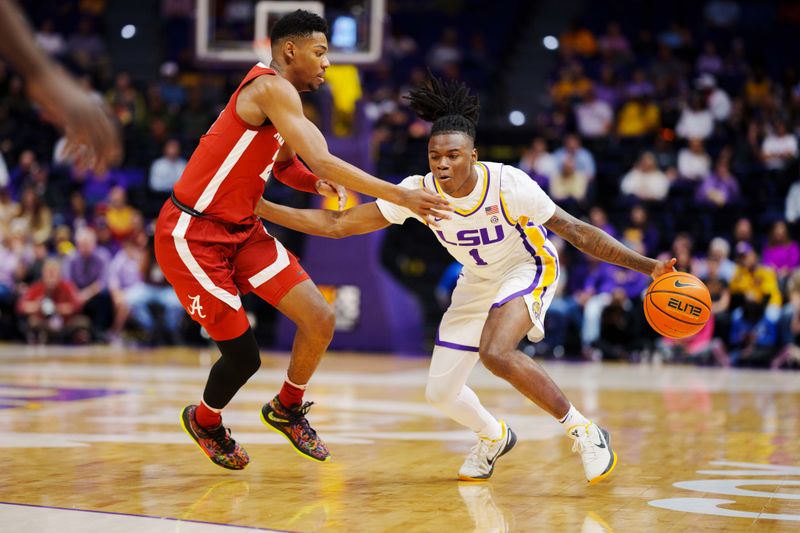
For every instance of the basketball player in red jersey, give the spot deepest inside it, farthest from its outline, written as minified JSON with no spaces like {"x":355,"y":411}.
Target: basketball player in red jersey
{"x":212,"y":247}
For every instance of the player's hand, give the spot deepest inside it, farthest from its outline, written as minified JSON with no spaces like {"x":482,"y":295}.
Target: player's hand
{"x":663,"y":267}
{"x":88,"y":127}
{"x":430,"y":207}
{"x":332,"y":190}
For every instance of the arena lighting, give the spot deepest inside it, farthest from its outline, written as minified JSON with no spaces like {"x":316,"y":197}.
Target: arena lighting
{"x":516,"y":118}
{"x":550,"y":42}
{"x":128,"y":31}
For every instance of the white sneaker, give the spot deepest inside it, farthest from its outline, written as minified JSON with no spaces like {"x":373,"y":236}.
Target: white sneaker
{"x":594,"y":445}
{"x":480,"y":462}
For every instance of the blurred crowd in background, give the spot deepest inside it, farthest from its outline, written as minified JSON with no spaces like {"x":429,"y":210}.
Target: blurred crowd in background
{"x":679,"y":139}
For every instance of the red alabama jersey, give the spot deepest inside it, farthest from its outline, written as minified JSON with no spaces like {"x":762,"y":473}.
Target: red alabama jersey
{"x":227,"y":172}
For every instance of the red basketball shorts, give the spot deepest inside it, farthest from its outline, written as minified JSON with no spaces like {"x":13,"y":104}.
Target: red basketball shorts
{"x":211,"y":263}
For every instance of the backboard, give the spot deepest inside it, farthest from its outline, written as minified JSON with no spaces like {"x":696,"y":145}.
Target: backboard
{"x":236,"y":31}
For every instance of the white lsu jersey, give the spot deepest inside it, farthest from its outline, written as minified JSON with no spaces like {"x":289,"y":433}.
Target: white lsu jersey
{"x":496,"y":227}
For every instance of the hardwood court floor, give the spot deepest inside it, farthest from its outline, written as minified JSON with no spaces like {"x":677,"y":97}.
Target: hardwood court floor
{"x":90,"y":441}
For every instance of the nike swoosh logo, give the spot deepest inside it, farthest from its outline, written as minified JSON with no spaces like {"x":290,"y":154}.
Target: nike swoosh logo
{"x":601,"y":445}
{"x":435,"y":219}
{"x":679,"y":284}
{"x":272,"y":417}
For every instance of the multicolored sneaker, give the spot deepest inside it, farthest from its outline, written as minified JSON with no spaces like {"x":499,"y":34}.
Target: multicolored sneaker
{"x":292,"y":424}
{"x":216,"y":443}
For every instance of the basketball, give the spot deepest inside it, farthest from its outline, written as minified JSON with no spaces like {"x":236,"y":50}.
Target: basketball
{"x":677,"y":305}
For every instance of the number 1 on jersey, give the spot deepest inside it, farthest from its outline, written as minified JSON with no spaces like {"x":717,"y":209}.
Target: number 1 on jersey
{"x":478,"y":260}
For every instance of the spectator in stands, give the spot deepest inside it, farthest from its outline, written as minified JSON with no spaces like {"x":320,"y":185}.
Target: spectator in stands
{"x":124,"y":276}
{"x":126,"y":102}
{"x":722,"y":13}
{"x":709,"y":61}
{"x":779,"y":147}
{"x":696,"y":121}
{"x":446,"y":50}
{"x":646,"y":181}
{"x":618,"y":324}
{"x":8,"y":210}
{"x":166,"y":170}
{"x":78,"y":214}
{"x":195,"y":117}
{"x":155,"y":292}
{"x":758,"y":88}
{"x":87,"y":269}
{"x":50,"y":40}
{"x":35,"y":215}
{"x":693,"y":161}
{"x":569,"y":185}
{"x":538,"y":163}
{"x":86,"y":49}
{"x":780,"y":252}
{"x":62,"y":241}
{"x":50,"y":309}
{"x":642,"y":229}
{"x":716,"y":99}
{"x":599,"y":218}
{"x":790,"y":326}
{"x":792,"y":210}
{"x":572,"y":84}
{"x":614,"y":44}
{"x":743,"y":231}
{"x":578,"y":40}
{"x":718,"y":253}
{"x":594,"y":116}
{"x":715,"y":279}
{"x":582,"y":158}
{"x":597,"y":292}
{"x":607,"y":87}
{"x":22,"y":174}
{"x":754,"y":281}
{"x":719,"y":188}
{"x":120,"y":217}
{"x":754,"y":335}
{"x":639,"y":117}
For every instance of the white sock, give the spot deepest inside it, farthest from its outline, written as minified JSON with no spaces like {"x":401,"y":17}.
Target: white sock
{"x":493,"y":430}
{"x":573,"y":418}
{"x":295,"y":385}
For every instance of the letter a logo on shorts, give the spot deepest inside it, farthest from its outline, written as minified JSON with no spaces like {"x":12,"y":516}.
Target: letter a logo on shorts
{"x":196,"y":307}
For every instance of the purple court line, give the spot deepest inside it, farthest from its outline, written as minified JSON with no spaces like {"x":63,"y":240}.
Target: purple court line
{"x":147,"y":516}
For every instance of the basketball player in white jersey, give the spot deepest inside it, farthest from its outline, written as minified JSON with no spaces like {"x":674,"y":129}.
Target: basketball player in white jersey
{"x":499,"y":234}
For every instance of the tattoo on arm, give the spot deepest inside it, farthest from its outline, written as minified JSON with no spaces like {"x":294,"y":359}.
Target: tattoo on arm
{"x":597,"y":243}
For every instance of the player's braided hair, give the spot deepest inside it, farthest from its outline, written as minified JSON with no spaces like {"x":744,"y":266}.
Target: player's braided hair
{"x":448,"y":104}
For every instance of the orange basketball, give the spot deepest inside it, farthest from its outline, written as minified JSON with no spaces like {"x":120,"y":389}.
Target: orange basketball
{"x":677,"y":305}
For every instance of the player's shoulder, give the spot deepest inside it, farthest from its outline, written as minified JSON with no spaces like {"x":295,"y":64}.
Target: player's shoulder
{"x":510,"y":176}
{"x":271,"y":86}
{"x":416,"y":181}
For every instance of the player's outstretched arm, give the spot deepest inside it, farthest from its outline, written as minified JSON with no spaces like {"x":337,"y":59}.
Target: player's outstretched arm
{"x":64,"y":102}
{"x":358,"y":220}
{"x":279,"y":101}
{"x":597,"y":243}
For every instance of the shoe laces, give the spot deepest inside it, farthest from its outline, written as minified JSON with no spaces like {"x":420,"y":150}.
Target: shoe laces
{"x":582,"y":443}
{"x":297,"y":415}
{"x":222,"y":436}
{"x":479,"y":453}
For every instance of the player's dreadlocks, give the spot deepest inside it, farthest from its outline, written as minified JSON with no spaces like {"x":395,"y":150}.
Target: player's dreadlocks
{"x":446,"y":103}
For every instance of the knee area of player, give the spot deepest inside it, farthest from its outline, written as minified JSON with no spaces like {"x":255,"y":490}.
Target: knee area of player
{"x":319,"y":321}
{"x":438,"y":393}
{"x":496,"y":358}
